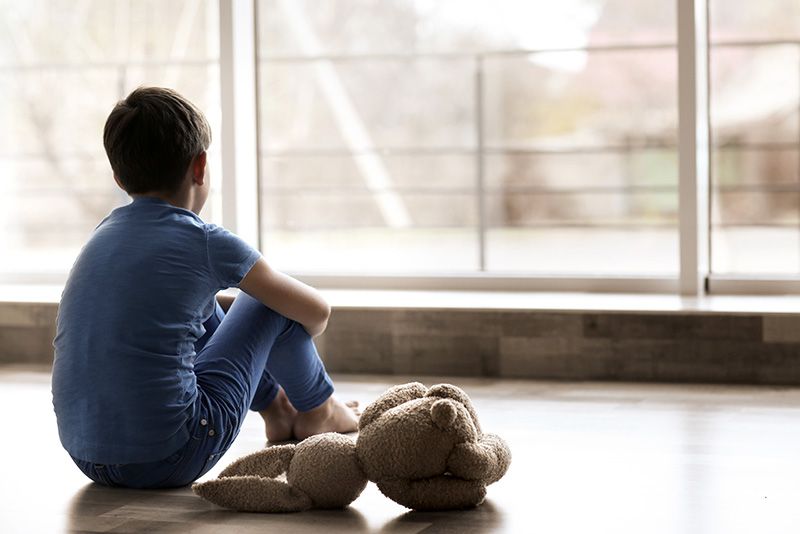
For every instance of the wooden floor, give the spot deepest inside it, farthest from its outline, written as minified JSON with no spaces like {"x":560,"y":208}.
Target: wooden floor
{"x":588,"y":458}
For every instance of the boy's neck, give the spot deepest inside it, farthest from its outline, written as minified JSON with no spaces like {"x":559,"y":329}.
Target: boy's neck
{"x":177,"y":199}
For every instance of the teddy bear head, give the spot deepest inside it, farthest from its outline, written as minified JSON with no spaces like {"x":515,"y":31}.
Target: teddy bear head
{"x":410,"y":431}
{"x":424,"y":448}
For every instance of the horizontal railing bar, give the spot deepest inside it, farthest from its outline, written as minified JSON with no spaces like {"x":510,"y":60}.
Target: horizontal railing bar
{"x":45,"y":228}
{"x":428,"y":190}
{"x":466,"y":151}
{"x":747,"y":43}
{"x":111,"y":64}
{"x":444,"y":150}
{"x":489,"y":54}
{"x":414,"y":56}
{"x":360,"y":190}
{"x":611,"y":47}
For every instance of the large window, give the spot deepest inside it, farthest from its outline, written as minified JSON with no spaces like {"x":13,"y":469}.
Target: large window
{"x":414,"y":136}
{"x":495,"y":143}
{"x":63,"y":65}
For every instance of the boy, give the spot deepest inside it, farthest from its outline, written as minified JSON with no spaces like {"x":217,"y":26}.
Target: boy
{"x":153,"y":375}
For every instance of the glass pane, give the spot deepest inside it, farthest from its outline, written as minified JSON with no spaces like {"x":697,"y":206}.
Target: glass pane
{"x":755,"y":249}
{"x":443,"y":171}
{"x":556,"y":100}
{"x":616,"y":232}
{"x":349,"y":233}
{"x":64,"y":67}
{"x":124,"y":31}
{"x":755,"y":231}
{"x":745,"y":19}
{"x":755,"y":113}
{"x":754,"y":94}
{"x":362,"y":104}
{"x":564,"y":250}
{"x":307,"y":27}
{"x":755,"y":167}
{"x":375,"y":105}
{"x":755,"y":207}
{"x":591,"y":146}
{"x":612,"y":167}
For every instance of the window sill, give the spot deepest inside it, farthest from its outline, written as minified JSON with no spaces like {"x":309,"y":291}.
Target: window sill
{"x":499,"y":300}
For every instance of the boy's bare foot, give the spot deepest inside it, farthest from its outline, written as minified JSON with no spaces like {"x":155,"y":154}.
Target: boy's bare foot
{"x":332,"y":415}
{"x":279,"y":418}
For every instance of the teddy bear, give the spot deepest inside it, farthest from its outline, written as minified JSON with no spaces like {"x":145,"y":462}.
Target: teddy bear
{"x":423,"y":448}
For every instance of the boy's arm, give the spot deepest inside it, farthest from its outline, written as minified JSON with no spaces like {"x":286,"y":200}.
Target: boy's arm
{"x":287,"y":296}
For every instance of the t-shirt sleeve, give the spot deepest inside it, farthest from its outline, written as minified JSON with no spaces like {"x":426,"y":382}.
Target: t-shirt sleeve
{"x":229,"y":257}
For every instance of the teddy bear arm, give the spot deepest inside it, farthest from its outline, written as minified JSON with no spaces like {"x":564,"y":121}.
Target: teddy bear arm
{"x":269,"y":462}
{"x":394,"y":396}
{"x":486,"y":460}
{"x":436,"y":493}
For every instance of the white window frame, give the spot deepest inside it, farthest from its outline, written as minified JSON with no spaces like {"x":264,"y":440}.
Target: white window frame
{"x":693,"y":187}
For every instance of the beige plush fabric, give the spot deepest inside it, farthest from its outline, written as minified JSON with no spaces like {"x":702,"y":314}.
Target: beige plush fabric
{"x":319,"y":472}
{"x":252,"y":493}
{"x":424,"y":448}
{"x":325,"y":468}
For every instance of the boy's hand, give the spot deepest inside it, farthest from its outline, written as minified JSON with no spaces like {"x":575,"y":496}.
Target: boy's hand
{"x":287,"y":296}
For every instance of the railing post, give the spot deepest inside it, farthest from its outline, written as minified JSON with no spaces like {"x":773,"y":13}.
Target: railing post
{"x":480,"y":189}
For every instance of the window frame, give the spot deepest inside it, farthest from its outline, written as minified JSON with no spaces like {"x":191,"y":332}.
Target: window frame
{"x":693,"y":146}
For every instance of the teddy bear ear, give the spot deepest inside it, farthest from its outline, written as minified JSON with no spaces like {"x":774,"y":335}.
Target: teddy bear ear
{"x":443,"y":413}
{"x":449,"y":391}
{"x":394,"y":396}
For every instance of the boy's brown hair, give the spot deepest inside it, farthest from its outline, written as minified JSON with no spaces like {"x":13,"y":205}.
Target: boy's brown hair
{"x":151,"y":137}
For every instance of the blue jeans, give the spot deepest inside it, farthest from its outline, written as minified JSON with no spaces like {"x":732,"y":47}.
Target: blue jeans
{"x":241,"y":360}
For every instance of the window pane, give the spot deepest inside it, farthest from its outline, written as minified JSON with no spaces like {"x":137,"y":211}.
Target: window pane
{"x":400,"y":121}
{"x":755,"y":113}
{"x":360,"y":104}
{"x":319,"y":214}
{"x":595,"y":138}
{"x":330,"y":232}
{"x":64,"y":65}
{"x":745,"y":20}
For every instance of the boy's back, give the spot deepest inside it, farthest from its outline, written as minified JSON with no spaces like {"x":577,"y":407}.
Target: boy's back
{"x":131,"y":311}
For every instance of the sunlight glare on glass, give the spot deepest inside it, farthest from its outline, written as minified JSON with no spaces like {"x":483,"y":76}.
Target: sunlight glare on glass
{"x":525,"y":25}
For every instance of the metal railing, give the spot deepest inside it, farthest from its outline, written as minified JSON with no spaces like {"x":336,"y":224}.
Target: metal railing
{"x":479,"y":151}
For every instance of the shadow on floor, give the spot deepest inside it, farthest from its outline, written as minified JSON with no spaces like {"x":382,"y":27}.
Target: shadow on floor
{"x":484,"y":518}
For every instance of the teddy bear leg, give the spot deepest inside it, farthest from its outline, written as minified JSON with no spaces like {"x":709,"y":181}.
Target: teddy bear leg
{"x":436,"y":493}
{"x":253,"y":494}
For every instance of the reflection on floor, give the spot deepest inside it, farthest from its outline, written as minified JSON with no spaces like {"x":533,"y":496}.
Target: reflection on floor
{"x":588,"y":457}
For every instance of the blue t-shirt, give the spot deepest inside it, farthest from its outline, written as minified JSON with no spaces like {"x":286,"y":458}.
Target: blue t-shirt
{"x":133,"y":306}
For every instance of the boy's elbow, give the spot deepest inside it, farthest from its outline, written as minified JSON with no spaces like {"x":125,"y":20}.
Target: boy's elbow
{"x":325,"y":313}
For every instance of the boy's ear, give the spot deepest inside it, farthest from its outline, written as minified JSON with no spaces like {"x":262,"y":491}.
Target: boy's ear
{"x":198,"y":167}
{"x":119,"y":184}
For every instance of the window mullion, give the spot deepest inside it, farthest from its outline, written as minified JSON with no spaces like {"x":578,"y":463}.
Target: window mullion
{"x":693,"y":144}
{"x":239,"y":112}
